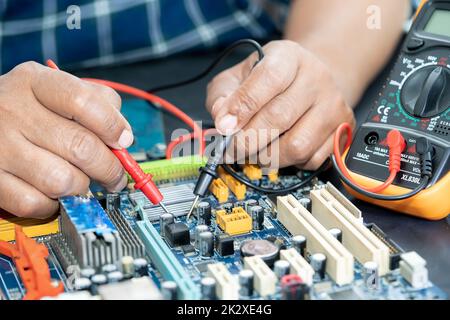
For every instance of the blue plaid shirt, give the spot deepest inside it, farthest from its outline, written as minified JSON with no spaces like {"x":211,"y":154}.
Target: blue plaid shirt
{"x":87,"y":33}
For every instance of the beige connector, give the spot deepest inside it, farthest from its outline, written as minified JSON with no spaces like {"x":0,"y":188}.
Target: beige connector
{"x":329,"y":210}
{"x":298,"y":220}
{"x":298,"y":265}
{"x":227,"y":286}
{"x":264,"y":279}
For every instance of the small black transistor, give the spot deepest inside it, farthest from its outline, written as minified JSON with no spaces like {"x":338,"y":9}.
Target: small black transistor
{"x":177,"y":234}
{"x":224,"y":245}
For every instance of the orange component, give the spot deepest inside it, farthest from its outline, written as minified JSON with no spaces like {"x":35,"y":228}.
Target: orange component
{"x":30,"y":260}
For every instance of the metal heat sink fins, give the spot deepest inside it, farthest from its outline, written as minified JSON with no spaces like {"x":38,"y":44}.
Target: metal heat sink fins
{"x":89,"y":232}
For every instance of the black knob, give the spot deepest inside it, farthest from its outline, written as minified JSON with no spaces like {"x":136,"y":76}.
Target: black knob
{"x":426,"y":93}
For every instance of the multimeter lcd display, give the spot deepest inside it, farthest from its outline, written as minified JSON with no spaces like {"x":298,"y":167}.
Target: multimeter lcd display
{"x":439,"y":23}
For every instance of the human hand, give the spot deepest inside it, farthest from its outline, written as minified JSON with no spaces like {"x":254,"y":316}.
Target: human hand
{"x":289,"y":90}
{"x":55,"y":130}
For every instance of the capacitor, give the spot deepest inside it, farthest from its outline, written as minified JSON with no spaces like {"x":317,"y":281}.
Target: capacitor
{"x":370,"y":275}
{"x":246,"y":282}
{"x":99,"y":279}
{"x":127,"y":266}
{"x":87,"y":272}
{"x":281,"y":268}
{"x":208,"y":288}
{"x":107,"y":268}
{"x":204,"y":213}
{"x":199,"y":229}
{"x":164,"y":220}
{"x":82,"y":284}
{"x":337,"y":233}
{"x":206,"y":244}
{"x":250,"y":203}
{"x":115,"y":276}
{"x":318,"y":263}
{"x":257,"y":214}
{"x":305,"y":202}
{"x":140,"y":267}
{"x":299,"y":244}
{"x":293,"y":288}
{"x":169,"y":290}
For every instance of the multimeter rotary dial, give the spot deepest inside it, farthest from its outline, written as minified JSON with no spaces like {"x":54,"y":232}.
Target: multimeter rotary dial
{"x":426,"y":91}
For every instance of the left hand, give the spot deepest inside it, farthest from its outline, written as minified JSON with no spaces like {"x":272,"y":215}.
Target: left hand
{"x":290,"y":90}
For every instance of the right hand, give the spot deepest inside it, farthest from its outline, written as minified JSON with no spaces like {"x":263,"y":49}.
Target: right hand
{"x":55,"y":130}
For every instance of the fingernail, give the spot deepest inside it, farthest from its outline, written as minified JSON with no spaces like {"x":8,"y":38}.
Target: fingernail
{"x":126,"y":139}
{"x":217,"y":105}
{"x":227,"y":124}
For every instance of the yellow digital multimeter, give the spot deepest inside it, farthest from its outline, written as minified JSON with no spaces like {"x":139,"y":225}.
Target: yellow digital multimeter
{"x":415,"y":100}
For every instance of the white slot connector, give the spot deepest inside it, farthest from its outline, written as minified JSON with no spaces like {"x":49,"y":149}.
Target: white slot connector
{"x":298,"y":220}
{"x":265,"y":279}
{"x":331,"y":212}
{"x":227,"y":286}
{"x":413,"y":269}
{"x":298,"y":265}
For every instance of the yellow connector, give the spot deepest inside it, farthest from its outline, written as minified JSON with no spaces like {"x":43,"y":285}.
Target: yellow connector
{"x":31,"y":227}
{"x":235,"y":186}
{"x":236,"y":222}
{"x":252,"y":171}
{"x":220,"y":190}
{"x":273,"y":176}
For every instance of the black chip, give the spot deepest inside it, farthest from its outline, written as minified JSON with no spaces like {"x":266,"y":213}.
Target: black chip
{"x":177,"y":234}
{"x":202,"y":266}
{"x":224,"y":245}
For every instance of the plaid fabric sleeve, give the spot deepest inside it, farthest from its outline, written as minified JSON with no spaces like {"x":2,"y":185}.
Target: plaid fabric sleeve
{"x":87,"y":33}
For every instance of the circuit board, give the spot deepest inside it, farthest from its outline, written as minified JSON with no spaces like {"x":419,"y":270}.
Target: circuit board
{"x":230,"y":250}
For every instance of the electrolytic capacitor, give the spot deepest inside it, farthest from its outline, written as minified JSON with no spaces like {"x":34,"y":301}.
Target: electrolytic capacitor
{"x":115,"y":276}
{"x":337,"y":233}
{"x":370,"y":275}
{"x":127,"y":266}
{"x":199,"y":229}
{"x":318,"y":263}
{"x":281,"y":268}
{"x":299,"y":244}
{"x":208,"y":288}
{"x":250,"y":203}
{"x":246,"y":282}
{"x":305,"y":202}
{"x":87,"y":272}
{"x":204,"y":213}
{"x":107,"y":268}
{"x":257,"y":214}
{"x":164,"y":220}
{"x":140,"y":267}
{"x":99,"y":279}
{"x":169,"y":290}
{"x":206,"y":244}
{"x":82,"y":284}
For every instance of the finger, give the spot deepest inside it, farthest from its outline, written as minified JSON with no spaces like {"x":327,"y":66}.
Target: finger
{"x":96,"y":107}
{"x":278,"y":116}
{"x":222,"y":86}
{"x":299,"y":144}
{"x":320,"y":156}
{"x":270,"y":77}
{"x":45,"y":171}
{"x":79,"y":146}
{"x":23,"y":200}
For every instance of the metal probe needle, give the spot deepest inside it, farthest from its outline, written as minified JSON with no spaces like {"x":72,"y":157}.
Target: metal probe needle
{"x":164,"y":207}
{"x":193,"y":206}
